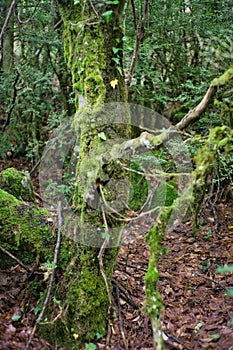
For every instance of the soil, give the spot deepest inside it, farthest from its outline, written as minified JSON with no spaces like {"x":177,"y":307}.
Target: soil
{"x":197,"y":311}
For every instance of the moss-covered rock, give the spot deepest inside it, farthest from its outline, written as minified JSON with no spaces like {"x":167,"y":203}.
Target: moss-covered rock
{"x":24,"y":229}
{"x":17,"y":183}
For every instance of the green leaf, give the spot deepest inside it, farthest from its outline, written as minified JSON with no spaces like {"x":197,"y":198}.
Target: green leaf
{"x":116,"y":59}
{"x":102,"y":136}
{"x":215,"y":336}
{"x":16,"y":318}
{"x":107,"y":15}
{"x":229,"y":292}
{"x":198,"y":327}
{"x":90,"y":346}
{"x":225,"y":269}
{"x":99,"y":335}
{"x":48,"y":266}
{"x":105,"y":236}
{"x":112,"y":2}
{"x":37,"y":309}
{"x":119,"y":69}
{"x":116,"y":49}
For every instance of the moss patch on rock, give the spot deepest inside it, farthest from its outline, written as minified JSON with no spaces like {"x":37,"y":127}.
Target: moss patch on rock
{"x":17,"y":183}
{"x":24,"y":229}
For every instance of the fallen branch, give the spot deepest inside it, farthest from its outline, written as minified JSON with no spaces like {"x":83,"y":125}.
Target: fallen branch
{"x":55,"y":259}
{"x":14,"y":258}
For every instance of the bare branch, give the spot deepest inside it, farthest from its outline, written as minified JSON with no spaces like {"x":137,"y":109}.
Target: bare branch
{"x":14,"y":258}
{"x":139,"y":36}
{"x":12,"y":104}
{"x":7,"y":20}
{"x":134,"y":16}
{"x":100,"y":258}
{"x":30,"y":18}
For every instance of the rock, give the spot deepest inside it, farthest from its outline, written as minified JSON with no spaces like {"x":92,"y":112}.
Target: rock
{"x":17,"y":183}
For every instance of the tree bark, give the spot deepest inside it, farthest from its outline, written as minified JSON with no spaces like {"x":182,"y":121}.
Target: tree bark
{"x":93,"y":50}
{"x":7,"y":36}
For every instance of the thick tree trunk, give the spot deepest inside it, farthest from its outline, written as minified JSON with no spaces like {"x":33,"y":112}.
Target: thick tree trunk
{"x":93,"y":50}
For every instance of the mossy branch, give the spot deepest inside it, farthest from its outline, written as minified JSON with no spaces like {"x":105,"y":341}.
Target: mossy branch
{"x":195,"y":114}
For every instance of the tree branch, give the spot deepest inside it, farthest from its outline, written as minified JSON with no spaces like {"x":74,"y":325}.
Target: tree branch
{"x":7,"y":20}
{"x":12,"y":104}
{"x":195,"y":114}
{"x":14,"y":258}
{"x":134,"y":15}
{"x":139,"y":36}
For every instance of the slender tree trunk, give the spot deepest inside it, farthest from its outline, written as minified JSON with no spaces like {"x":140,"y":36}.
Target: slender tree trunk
{"x":7,"y":37}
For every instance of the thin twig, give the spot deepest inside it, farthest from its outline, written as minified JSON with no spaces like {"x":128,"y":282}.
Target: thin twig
{"x":14,"y":258}
{"x":93,"y":8}
{"x":12,"y":104}
{"x":139,"y":36}
{"x":134,"y":15}
{"x":120,"y":318}
{"x":30,"y":18}
{"x":55,"y":259}
{"x":108,"y":206}
{"x":209,"y":279}
{"x":100,"y":258}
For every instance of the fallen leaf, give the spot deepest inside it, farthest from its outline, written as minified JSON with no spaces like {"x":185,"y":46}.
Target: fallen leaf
{"x":114,"y":83}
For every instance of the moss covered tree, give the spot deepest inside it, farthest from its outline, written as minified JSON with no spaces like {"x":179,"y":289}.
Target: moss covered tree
{"x":93,"y":49}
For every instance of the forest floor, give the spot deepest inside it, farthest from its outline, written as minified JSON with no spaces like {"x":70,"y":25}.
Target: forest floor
{"x":197,"y":312}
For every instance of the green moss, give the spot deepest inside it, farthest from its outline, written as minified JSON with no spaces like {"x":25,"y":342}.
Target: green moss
{"x":87,"y":63}
{"x":17,"y":183}
{"x":23,"y":228}
{"x":223,"y":79}
{"x":153,"y":303}
{"x":84,"y":296}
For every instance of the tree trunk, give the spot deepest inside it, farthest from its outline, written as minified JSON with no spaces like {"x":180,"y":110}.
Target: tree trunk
{"x":7,"y":37}
{"x":93,"y":50}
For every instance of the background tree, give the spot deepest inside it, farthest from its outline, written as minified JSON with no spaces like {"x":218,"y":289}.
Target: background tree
{"x":35,"y":86}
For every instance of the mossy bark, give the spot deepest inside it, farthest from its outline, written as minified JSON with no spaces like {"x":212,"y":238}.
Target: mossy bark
{"x":93,"y":50}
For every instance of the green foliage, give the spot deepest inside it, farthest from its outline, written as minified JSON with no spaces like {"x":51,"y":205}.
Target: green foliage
{"x":139,"y":187}
{"x":183,"y":49}
{"x":141,"y":166}
{"x":37,"y":86}
{"x":90,"y":346}
{"x":227,"y":269}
